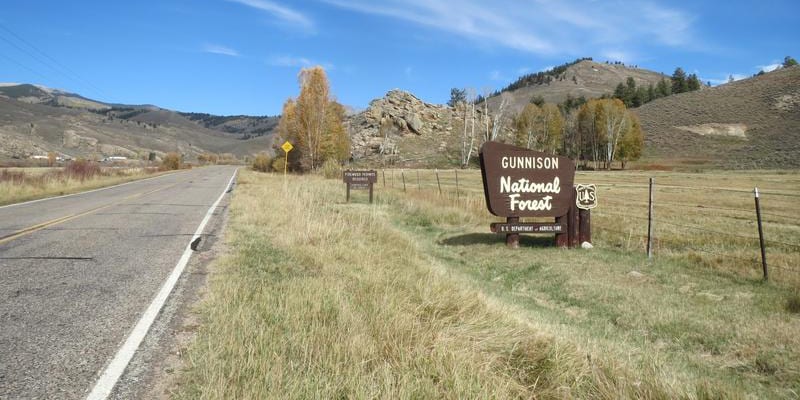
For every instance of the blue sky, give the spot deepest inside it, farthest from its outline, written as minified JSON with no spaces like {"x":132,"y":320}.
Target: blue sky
{"x":243,"y":56}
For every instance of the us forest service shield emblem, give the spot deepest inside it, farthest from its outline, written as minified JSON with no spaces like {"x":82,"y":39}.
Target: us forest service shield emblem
{"x":586,"y":196}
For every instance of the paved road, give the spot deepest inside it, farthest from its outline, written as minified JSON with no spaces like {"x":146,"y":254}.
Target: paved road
{"x":82,"y":271}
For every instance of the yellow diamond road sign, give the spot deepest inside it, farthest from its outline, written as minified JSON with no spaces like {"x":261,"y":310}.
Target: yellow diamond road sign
{"x":287,"y":147}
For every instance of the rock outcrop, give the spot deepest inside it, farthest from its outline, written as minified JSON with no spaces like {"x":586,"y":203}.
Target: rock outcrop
{"x":400,"y":129}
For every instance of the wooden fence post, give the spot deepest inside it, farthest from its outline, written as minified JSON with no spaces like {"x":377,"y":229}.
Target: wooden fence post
{"x":650,"y":223}
{"x":418,"y":186}
{"x":761,"y":237}
{"x":438,"y":183}
{"x":457,"y":192}
{"x":403,"y":175}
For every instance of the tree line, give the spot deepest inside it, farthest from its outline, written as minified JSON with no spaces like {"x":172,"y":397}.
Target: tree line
{"x":633,"y":96}
{"x":595,"y":133}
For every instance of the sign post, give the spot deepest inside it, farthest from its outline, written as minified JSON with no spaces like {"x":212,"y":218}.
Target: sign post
{"x":585,"y":200}
{"x":360,"y":180}
{"x":522,"y":183}
{"x":287,"y":147}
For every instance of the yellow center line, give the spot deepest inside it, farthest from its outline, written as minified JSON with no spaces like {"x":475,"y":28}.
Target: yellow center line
{"x":38,"y":227}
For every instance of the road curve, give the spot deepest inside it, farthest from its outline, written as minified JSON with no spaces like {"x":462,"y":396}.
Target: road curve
{"x":77,"y":272}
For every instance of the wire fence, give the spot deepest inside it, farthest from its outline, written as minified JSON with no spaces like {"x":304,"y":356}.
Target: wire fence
{"x":710,"y":226}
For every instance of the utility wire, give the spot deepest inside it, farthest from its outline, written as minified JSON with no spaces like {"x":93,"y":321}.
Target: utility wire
{"x":49,"y":61}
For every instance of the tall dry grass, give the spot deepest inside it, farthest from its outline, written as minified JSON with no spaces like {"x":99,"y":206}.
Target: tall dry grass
{"x":23,"y":184}
{"x":316,"y":298}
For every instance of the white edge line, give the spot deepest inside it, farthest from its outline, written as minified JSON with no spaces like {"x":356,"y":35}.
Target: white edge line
{"x":103,"y":387}
{"x":89,"y":191}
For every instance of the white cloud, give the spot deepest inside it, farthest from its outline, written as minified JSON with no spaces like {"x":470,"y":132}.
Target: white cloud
{"x":769,"y":67}
{"x":725,"y":79}
{"x":544,"y":27}
{"x":496,"y":76}
{"x":222,"y":50}
{"x":288,"y":61}
{"x":283,"y":13}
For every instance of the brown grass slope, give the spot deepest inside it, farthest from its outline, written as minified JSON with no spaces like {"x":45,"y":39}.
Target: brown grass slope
{"x":768,"y":106}
{"x":35,"y":128}
{"x":591,"y":79}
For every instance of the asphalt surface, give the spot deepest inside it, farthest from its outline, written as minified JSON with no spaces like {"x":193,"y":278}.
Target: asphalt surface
{"x":80,"y":271}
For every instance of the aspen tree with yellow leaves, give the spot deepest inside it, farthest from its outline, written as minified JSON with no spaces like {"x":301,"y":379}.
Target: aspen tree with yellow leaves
{"x":313,"y":123}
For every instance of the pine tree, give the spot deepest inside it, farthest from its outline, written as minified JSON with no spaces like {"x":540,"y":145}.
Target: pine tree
{"x":457,"y":96}
{"x":662,"y":88}
{"x":693,"y":83}
{"x":679,"y":84}
{"x":788,"y":61}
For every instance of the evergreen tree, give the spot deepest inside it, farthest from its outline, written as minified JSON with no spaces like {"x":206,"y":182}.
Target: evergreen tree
{"x":788,"y":61}
{"x":538,"y":100}
{"x":457,"y":96}
{"x":662,"y":88}
{"x":679,"y":84}
{"x":693,"y":83}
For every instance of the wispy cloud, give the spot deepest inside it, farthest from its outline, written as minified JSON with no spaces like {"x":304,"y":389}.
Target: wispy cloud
{"x":725,"y":79}
{"x":769,"y":67}
{"x":219,"y":49}
{"x":496,"y":76}
{"x":543,"y":27}
{"x":288,"y":61}
{"x":282,"y":13}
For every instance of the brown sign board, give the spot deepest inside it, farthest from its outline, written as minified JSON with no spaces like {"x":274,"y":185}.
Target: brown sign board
{"x":527,"y":228}
{"x":518,"y":182}
{"x":360,"y":177}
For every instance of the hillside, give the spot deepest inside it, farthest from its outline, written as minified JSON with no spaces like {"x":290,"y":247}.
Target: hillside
{"x":585,"y":78}
{"x":752,"y":123}
{"x":35,"y":120}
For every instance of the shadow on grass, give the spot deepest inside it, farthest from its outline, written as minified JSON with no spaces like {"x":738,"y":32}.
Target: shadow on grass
{"x":492,"y":238}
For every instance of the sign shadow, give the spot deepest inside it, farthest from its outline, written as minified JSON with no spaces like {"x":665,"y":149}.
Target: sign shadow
{"x":471,"y":239}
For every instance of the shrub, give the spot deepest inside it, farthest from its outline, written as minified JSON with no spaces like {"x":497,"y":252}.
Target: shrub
{"x":331,"y":169}
{"x":262,"y":163}
{"x":171,"y":161}
{"x":278,"y":164}
{"x":793,"y":303}
{"x":81,"y":169}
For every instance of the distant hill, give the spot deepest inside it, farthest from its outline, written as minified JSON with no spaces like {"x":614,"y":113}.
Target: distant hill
{"x":244,"y":125}
{"x":752,"y":123}
{"x":585,"y":78}
{"x":35,"y":120}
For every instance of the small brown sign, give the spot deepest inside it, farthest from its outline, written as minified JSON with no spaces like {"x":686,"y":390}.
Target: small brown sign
{"x":360,"y":180}
{"x":519,"y":182}
{"x":586,"y":196}
{"x":360,"y":177}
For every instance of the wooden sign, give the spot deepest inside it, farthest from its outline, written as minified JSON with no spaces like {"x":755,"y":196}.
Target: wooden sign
{"x":359,"y":180}
{"x":519,"y":182}
{"x":586,"y":196}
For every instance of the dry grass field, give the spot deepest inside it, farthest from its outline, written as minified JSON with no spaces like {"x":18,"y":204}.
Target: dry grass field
{"x":24,"y":184}
{"x":412,"y":297}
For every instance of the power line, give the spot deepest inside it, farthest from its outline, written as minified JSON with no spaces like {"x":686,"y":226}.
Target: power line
{"x":49,"y":61}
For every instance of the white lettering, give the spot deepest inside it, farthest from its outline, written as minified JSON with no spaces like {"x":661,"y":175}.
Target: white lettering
{"x":529,"y":162}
